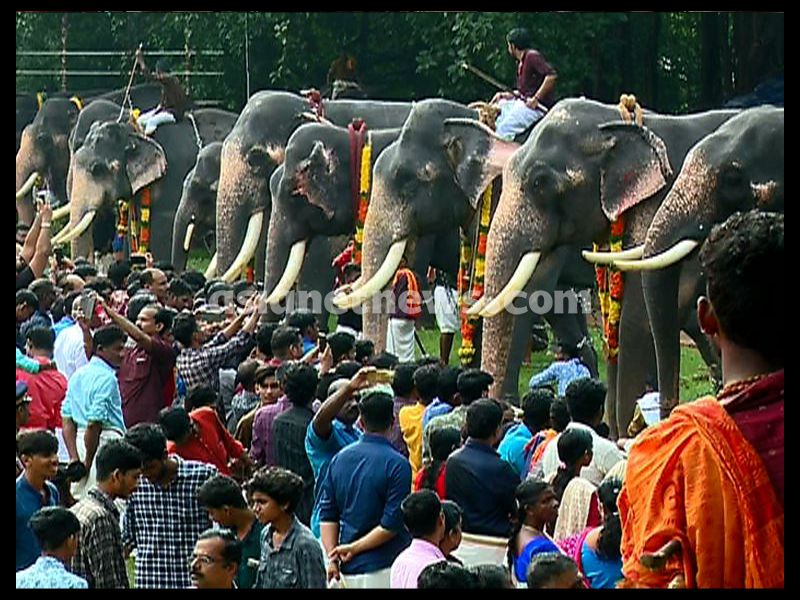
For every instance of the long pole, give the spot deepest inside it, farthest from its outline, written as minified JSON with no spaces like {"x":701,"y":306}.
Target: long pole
{"x":247,"y":53}
{"x":128,"y":89}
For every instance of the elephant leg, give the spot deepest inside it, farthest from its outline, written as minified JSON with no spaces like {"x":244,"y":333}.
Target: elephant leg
{"x":316,"y":279}
{"x":520,"y":336}
{"x":637,"y":360}
{"x":572,"y":329}
{"x":423,"y":256}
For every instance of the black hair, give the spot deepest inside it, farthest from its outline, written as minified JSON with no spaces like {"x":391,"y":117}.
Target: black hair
{"x":493,"y":577}
{"x":742,"y":258}
{"x":283,"y":338}
{"x":282,"y":485}
{"x":341,"y":344}
{"x":84,"y":271}
{"x":176,"y":423}
{"x":569,"y":350}
{"x":27,"y":298}
{"x":265,"y":372}
{"x":444,"y":575}
{"x":246,"y":374}
{"x":179,"y":288}
{"x":221,"y":491}
{"x":149,"y":439}
{"x":424,"y":361}
{"x":300,"y":383}
{"x":403,"y":382}
{"x":520,"y":38}
{"x":384,"y":360}
{"x":40,"y":442}
{"x":101,"y":285}
{"x":377,"y":411}
{"x":264,"y":339}
{"x":364,"y":349}
{"x":603,"y":430}
{"x":53,"y":526}
{"x":608,"y":543}
{"x":559,"y":414}
{"x":41,"y":338}
{"x":138,"y":302}
{"x":452,"y":515}
{"x":573,"y":445}
{"x":194,"y":279}
{"x":347,"y":368}
{"x":116,"y":455}
{"x":483,"y":418}
{"x":165,"y":317}
{"x":232,"y":548}
{"x":473,"y":384}
{"x":63,"y":306}
{"x":134,"y":287}
{"x":108,"y":336}
{"x":527,"y":494}
{"x":183,"y":328}
{"x":302,"y":319}
{"x":536,"y":408}
{"x":586,"y":399}
{"x":447,"y":386}
{"x":444,"y":442}
{"x":548,"y":566}
{"x":219,"y":294}
{"x":421,"y":512}
{"x":350,"y":269}
{"x":426,"y":380}
{"x":199,"y":396}
{"x":164,"y":265}
{"x":118,"y":272}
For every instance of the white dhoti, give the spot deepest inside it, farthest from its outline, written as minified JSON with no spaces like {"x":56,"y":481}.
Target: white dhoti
{"x":515,"y":118}
{"x":151,"y":120}
{"x":400,"y":339}
{"x":79,"y":489}
{"x":445,"y":308}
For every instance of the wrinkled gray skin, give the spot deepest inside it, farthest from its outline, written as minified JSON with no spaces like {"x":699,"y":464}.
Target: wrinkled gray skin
{"x":256,"y":147}
{"x":45,"y":144}
{"x":197,"y":204}
{"x":563,"y":188}
{"x":115,"y":163}
{"x":739,"y":167}
{"x":26,"y":109}
{"x":428,"y":184}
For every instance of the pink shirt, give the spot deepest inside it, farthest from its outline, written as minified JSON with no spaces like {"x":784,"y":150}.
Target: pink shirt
{"x":411,"y":561}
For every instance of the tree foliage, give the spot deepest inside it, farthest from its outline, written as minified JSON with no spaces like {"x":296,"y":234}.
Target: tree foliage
{"x":674,"y":62}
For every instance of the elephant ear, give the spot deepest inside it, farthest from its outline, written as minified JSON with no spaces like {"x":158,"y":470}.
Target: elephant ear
{"x":634,"y":167}
{"x":320,"y":164}
{"x":476,"y":154}
{"x":145,"y":161}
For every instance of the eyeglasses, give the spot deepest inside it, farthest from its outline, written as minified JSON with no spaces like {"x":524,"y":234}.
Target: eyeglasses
{"x":203,"y":559}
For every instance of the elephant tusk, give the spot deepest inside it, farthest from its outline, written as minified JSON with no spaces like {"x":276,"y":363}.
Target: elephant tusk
{"x":475,"y":309}
{"x":78,"y":230}
{"x":375,"y":284}
{"x":518,"y":281}
{"x":61,"y":212}
{"x":187,"y":240}
{"x":28,"y":185}
{"x":607,"y":258}
{"x":248,"y":247}
{"x":661,"y":261}
{"x":211,"y":269}
{"x":290,"y":274}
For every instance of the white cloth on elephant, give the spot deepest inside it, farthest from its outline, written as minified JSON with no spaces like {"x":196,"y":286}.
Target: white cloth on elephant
{"x":445,"y":307}
{"x":79,"y":488}
{"x":150,"y":120}
{"x":400,"y":339}
{"x":350,"y":330}
{"x":515,"y":118}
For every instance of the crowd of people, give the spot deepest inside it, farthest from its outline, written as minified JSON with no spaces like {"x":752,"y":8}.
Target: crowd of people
{"x":165,"y":419}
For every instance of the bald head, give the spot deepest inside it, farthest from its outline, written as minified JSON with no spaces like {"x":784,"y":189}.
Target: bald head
{"x":155,"y":280}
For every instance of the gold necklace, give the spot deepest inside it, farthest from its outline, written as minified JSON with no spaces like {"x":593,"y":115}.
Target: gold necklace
{"x":737,"y":387}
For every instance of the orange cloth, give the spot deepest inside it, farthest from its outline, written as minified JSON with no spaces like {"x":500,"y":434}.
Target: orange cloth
{"x":695,"y":478}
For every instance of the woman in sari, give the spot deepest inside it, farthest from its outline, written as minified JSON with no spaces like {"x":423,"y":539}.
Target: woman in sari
{"x":577,"y":497}
{"x":537,"y":507}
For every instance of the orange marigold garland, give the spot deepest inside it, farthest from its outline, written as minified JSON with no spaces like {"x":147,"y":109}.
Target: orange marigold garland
{"x":144,"y":225}
{"x":478,"y":267}
{"x":610,"y":288}
{"x":363,"y":204}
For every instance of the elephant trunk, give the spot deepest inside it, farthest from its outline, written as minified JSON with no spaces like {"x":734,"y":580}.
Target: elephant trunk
{"x":88,"y":197}
{"x":28,"y":168}
{"x":182,"y":234}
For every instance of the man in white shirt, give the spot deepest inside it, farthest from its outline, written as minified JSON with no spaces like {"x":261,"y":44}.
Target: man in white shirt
{"x":73,"y":347}
{"x":586,"y":401}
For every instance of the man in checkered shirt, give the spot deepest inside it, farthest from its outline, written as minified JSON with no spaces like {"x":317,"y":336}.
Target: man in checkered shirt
{"x":164,"y":518}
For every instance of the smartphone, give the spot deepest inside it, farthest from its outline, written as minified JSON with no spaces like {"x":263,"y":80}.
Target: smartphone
{"x":210,"y":314}
{"x":87,"y":304}
{"x":381,"y":376}
{"x":59,"y":255}
{"x":322,"y":342}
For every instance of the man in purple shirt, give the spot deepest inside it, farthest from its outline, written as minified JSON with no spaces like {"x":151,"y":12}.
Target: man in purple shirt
{"x":261,"y":448}
{"x":424,"y":519}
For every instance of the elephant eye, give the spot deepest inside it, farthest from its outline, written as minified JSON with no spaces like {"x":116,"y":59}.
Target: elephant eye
{"x":98,"y":169}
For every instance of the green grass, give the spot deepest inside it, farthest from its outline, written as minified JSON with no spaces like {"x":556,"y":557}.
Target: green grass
{"x":695,"y":379}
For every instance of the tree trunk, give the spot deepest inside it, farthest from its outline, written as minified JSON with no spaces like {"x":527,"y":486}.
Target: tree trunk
{"x":710,"y":79}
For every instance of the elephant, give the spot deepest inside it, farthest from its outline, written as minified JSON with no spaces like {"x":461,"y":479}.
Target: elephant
{"x":580,"y":171}
{"x":428,"y":184}
{"x":196,"y":215}
{"x":26,"y":108}
{"x":46,"y":144}
{"x":252,"y":152}
{"x":115,"y":162}
{"x":738,"y":167}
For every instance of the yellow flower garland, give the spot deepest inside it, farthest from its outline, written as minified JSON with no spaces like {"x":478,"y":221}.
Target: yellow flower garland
{"x":363,"y":205}
{"x":610,"y":287}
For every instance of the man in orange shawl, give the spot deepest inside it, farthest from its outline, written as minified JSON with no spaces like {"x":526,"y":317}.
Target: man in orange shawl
{"x":702,"y":504}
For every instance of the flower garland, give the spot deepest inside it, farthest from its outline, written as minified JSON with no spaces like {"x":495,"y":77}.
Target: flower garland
{"x":610,"y":286}
{"x":144,"y":228}
{"x":469,"y":323}
{"x":123,"y":208}
{"x":363,"y":204}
